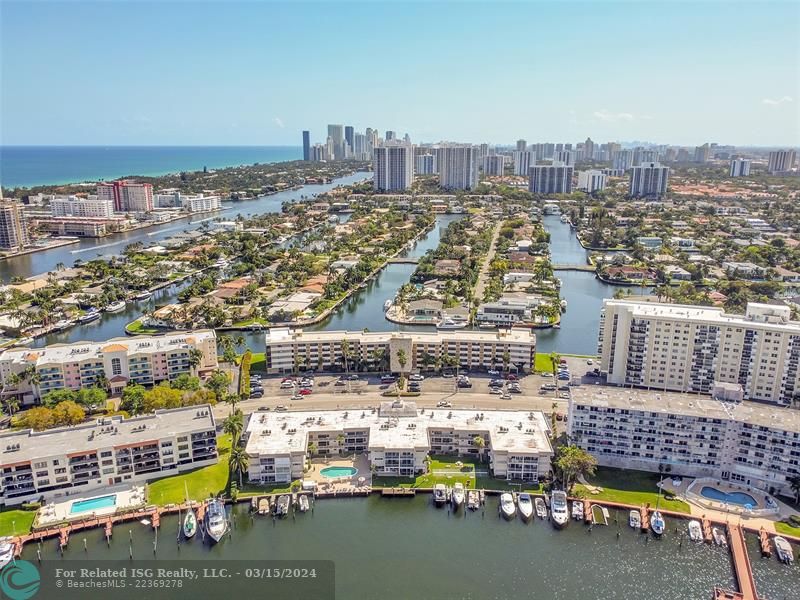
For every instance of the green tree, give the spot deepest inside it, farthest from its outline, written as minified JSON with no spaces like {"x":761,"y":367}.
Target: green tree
{"x":57,"y":396}
{"x":218,"y":382}
{"x":186,"y":382}
{"x":233,"y":425}
{"x":133,"y":399}
{"x":571,"y":462}
{"x":68,"y":413}
{"x":91,"y":396}
{"x":238,"y":461}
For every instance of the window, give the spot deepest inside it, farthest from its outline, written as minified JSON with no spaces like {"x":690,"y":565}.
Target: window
{"x":116,"y":366}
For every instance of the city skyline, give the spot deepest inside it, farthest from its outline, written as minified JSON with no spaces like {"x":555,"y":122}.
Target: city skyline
{"x":264,"y":89}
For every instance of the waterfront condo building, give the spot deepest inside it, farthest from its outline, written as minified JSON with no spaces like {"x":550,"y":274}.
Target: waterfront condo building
{"x":73,"y":461}
{"x":622,"y":159}
{"x":688,"y":435}
{"x":692,"y":348}
{"x":425,"y":164}
{"x":397,"y":438}
{"x":91,"y":207}
{"x":780,"y":161}
{"x":127,"y":196}
{"x":494,"y":165}
{"x":289,"y":350}
{"x":146,"y":360}
{"x":550,"y":179}
{"x":648,"y":180}
{"x":13,"y":228}
{"x":591,"y":181}
{"x":739,"y":167}
{"x":523,"y":161}
{"x":564,"y":157}
{"x":393,"y":166}
{"x":457,"y":166}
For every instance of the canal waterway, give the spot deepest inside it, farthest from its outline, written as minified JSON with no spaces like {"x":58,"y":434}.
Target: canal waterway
{"x":406,"y":548}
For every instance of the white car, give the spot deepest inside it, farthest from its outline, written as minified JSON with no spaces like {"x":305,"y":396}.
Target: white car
{"x":493,"y":372}
{"x":590,"y":362}
{"x":547,"y":374}
{"x":416,"y":377}
{"x":287,"y":385}
{"x":495,"y":391}
{"x":307,"y":383}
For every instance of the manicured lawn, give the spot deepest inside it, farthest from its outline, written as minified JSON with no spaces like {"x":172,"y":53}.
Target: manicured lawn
{"x":628,"y":487}
{"x":780,"y":527}
{"x":543,"y":362}
{"x":202,"y":483}
{"x":15,"y":522}
{"x":257,"y":363}
{"x":251,"y":489}
{"x":137,"y":328}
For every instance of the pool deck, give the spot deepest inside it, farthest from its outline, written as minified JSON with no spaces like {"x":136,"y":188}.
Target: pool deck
{"x":127,"y":498}
{"x":340,"y":484}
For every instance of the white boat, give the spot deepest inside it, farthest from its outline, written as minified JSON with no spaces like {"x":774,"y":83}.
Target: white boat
{"x":458,"y":495}
{"x":387,"y":305}
{"x":216,"y":520}
{"x":189,"y":524}
{"x":6,"y":552}
{"x":635,"y":519}
{"x":448,"y":323}
{"x":784,"y":549}
{"x":720,"y":539}
{"x":115,"y":307}
{"x":577,"y":510}
{"x":146,"y":295}
{"x":525,"y":504}
{"x":564,"y":219}
{"x":657,"y":523}
{"x":302,"y":503}
{"x":541,"y":508}
{"x":88,"y":317}
{"x":487,"y":326}
{"x":62,"y":324}
{"x":559,"y":508}
{"x":507,"y":508}
{"x":473,"y":499}
{"x":439,"y":494}
{"x":695,"y":531}
{"x":282,"y":505}
{"x":563,"y":305}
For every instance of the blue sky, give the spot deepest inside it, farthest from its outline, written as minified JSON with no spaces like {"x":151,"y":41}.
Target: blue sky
{"x":260,"y":72}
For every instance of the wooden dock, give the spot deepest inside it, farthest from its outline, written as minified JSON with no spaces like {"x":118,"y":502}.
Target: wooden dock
{"x":644,"y":514}
{"x":741,"y":564}
{"x":398,"y":492}
{"x":708,"y":535}
{"x":763,"y":540}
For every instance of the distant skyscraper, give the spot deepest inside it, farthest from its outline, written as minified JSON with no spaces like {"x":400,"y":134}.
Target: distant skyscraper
{"x":306,"y":145}
{"x":702,"y":153}
{"x":564,"y":157}
{"x":390,"y":135}
{"x":407,"y":138}
{"x":425,"y":164}
{"x":591,"y":181}
{"x":317,"y":153}
{"x":348,"y":136}
{"x":683,"y":155}
{"x":494,"y":165}
{"x":523,"y":161}
{"x":360,"y":151}
{"x":611,"y":148}
{"x":550,"y":179}
{"x":588,"y":149}
{"x":622,"y":159}
{"x":740,"y":167}
{"x":457,"y":166}
{"x":393,"y":166}
{"x":522,"y":145}
{"x":13,"y":229}
{"x":780,"y":160}
{"x":648,"y":180}
{"x":336,"y":134}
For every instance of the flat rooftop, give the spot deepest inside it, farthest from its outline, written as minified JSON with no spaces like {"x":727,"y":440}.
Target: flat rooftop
{"x":286,"y":335}
{"x":29,"y":445}
{"x":755,"y":413}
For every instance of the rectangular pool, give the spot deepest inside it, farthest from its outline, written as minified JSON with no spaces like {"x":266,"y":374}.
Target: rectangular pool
{"x":92,"y":504}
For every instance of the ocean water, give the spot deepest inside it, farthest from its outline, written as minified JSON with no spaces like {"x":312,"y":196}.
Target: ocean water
{"x":49,"y":165}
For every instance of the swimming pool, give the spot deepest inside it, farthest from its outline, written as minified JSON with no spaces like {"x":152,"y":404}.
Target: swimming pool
{"x":93,"y":504}
{"x":739,"y":498}
{"x":338,"y":471}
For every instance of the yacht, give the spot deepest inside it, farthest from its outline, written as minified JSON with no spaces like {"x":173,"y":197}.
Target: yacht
{"x":6,"y":551}
{"x":635,"y":519}
{"x":507,"y":508}
{"x":657,"y":523}
{"x":559,"y":509}
{"x":387,"y":305}
{"x":720,"y":539}
{"x":439,"y":494}
{"x":458,"y":495}
{"x":525,"y":506}
{"x":115,"y":307}
{"x":577,"y":510}
{"x":695,"y":531}
{"x":302,"y":503}
{"x":473,"y":499}
{"x":564,"y":219}
{"x":216,"y":519}
{"x":541,"y":508}
{"x":563,"y":305}
{"x":89,"y":316}
{"x":145,"y":295}
{"x":62,"y":324}
{"x":448,"y":323}
{"x":189,"y":524}
{"x":782,"y":547}
{"x":282,"y":505}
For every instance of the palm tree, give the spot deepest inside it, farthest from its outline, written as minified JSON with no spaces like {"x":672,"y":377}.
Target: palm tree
{"x":238,"y":461}
{"x":340,"y":441}
{"x":233,"y":425}
{"x":794,"y":484}
{"x":195,"y":358}
{"x":480,"y":443}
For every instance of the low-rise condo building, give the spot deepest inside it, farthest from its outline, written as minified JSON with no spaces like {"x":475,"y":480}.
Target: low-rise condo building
{"x":690,"y":348}
{"x":688,"y":434}
{"x":146,"y":360}
{"x":72,"y":461}
{"x":289,"y":350}
{"x":397,"y":438}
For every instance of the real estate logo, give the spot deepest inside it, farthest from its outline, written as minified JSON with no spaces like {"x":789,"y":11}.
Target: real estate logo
{"x":20,"y":580}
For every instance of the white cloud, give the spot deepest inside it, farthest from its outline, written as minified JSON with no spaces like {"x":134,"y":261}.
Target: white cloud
{"x":609,"y":117}
{"x":278,"y":122}
{"x":777,"y":101}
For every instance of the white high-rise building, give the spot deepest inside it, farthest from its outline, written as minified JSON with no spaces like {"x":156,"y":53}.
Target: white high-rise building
{"x":13,"y":229}
{"x":336,"y":136}
{"x":690,"y":348}
{"x":591,"y":181}
{"x":393,"y":166}
{"x":622,"y":159}
{"x":90,"y":208}
{"x":649,"y":180}
{"x":457,"y":166}
{"x":564,"y":157}
{"x":740,"y":167}
{"x":494,"y":165}
{"x":780,"y":160}
{"x":425,"y":164}
{"x":550,"y":179}
{"x":523,"y":161}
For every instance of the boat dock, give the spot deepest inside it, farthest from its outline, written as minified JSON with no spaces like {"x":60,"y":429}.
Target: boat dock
{"x":398,"y":492}
{"x":708,"y":536}
{"x":644,"y":514}
{"x":741,"y":568}
{"x":763,"y":540}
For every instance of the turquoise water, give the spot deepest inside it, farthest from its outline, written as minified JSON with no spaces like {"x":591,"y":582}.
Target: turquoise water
{"x":338,"y":471}
{"x":739,"y":498}
{"x":93,"y":504}
{"x":50,"y":165}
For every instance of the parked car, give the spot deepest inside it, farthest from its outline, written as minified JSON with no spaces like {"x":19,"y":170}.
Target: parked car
{"x":464,"y":384}
{"x":564,"y":395}
{"x":307,"y":382}
{"x":514,"y":390}
{"x":352,"y":377}
{"x":495,"y":391}
{"x":281,"y":408}
{"x":589,"y":361}
{"x":547,"y":374}
{"x":512,"y":377}
{"x":416,"y":377}
{"x":444,"y":404}
{"x":305,"y":391}
{"x":447,"y":375}
{"x":340,"y":382}
{"x":256,"y":393}
{"x":493,"y":372}
{"x":496,"y":383}
{"x":388,"y":378}
{"x":287,"y":385}
{"x":414,"y":387}
{"x":506,"y":396}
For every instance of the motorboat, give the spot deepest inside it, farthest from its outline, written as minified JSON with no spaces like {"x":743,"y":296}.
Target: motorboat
{"x":216,"y":520}
{"x":189,"y":524}
{"x":302,"y":503}
{"x":577,"y":510}
{"x":541,"y":508}
{"x":487,"y":326}
{"x":282,"y":505}
{"x":559,"y":509}
{"x":115,"y":307}
{"x":525,"y":504}
{"x":448,"y":323}
{"x":263,"y":506}
{"x":145,"y":295}
{"x":720,"y":539}
{"x":782,"y":547}
{"x":563,"y":305}
{"x":7,"y":551}
{"x":635,"y":519}
{"x":657,"y":523}
{"x":458,"y":495}
{"x":89,"y":316}
{"x":599,"y":514}
{"x":473,"y":499}
{"x":387,"y":305}
{"x":439,"y":494}
{"x":507,"y":508}
{"x":564,"y":219}
{"x":62,"y":324}
{"x":695,"y":531}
